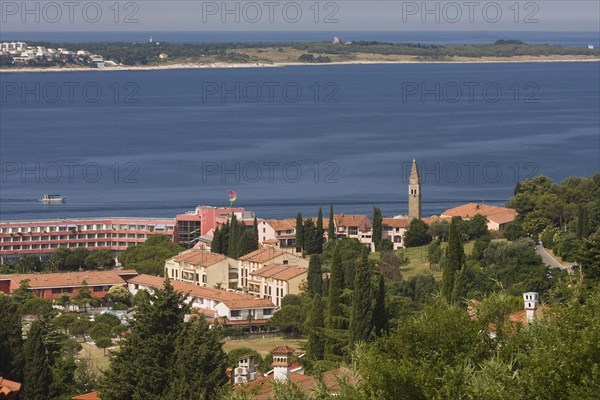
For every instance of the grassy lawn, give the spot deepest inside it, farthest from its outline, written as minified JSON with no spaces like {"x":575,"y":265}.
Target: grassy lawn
{"x":263,"y":345}
{"x":95,"y":356}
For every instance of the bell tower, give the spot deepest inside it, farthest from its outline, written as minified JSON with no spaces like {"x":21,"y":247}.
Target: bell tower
{"x":414,"y":192}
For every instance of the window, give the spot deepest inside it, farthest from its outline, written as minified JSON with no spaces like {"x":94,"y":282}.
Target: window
{"x":98,"y":288}
{"x":56,"y":290}
{"x":68,"y":290}
{"x":353,"y":230}
{"x":236,"y":313}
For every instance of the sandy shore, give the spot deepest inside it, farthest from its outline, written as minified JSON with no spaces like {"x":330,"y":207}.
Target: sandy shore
{"x":279,"y":65}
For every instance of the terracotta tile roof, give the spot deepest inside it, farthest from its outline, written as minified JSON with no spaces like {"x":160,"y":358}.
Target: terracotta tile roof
{"x":282,"y":224}
{"x":87,"y":396}
{"x":198,"y":257}
{"x":491,"y":212}
{"x":8,"y":387}
{"x":70,"y":279}
{"x":271,"y":241}
{"x":347,"y":220}
{"x":261,"y":389}
{"x":282,"y":272}
{"x":396,"y":222}
{"x":262,"y":255}
{"x":282,"y":350}
{"x":230,"y":299}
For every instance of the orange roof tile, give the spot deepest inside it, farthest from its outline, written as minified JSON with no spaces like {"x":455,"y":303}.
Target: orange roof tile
{"x":70,"y":279}
{"x":262,"y":255}
{"x":230,"y":299}
{"x":282,"y":272}
{"x":198,"y":257}
{"x":282,"y":350}
{"x":87,"y":396}
{"x":396,"y":222}
{"x":471,"y":209}
{"x":282,"y":224}
{"x":8,"y":387}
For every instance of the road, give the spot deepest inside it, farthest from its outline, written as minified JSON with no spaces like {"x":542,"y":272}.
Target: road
{"x":548,"y":259}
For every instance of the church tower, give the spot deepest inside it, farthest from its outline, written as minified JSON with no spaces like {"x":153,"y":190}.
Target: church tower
{"x":414,"y":192}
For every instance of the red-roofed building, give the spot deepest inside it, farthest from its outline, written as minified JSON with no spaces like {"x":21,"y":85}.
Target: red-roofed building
{"x":203,"y":268}
{"x":251,"y":262}
{"x":51,"y":286}
{"x":87,"y":396}
{"x":275,"y":281}
{"x":227,"y":307}
{"x":9,"y":390}
{"x":498,"y":217}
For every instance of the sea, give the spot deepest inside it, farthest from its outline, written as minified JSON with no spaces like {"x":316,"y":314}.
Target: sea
{"x":291,"y":139}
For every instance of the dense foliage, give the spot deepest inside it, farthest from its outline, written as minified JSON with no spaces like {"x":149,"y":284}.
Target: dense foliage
{"x":150,"y":256}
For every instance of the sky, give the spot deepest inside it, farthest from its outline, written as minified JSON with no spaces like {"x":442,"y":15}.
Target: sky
{"x":298,"y":15}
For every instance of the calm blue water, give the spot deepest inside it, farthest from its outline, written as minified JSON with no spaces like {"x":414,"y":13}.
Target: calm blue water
{"x":154,"y":143}
{"x":574,"y":39}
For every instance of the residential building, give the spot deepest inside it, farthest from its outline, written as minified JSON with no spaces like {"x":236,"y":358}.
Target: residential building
{"x":227,"y":307}
{"x":51,"y":286}
{"x":275,"y":281}
{"x":202,"y":268}
{"x":260,"y":258}
{"x":41,"y":238}
{"x":282,"y":231}
{"x":352,"y":226}
{"x":394,"y":230}
{"x":498,"y":217}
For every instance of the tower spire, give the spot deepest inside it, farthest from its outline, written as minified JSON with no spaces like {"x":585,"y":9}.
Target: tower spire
{"x":414,"y":192}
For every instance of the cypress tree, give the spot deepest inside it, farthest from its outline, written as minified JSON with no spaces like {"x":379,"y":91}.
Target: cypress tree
{"x":11,"y":339}
{"x":224,"y":239}
{"x":459,"y":290}
{"x":316,"y":324}
{"x":582,"y":222}
{"x":255,"y":233}
{"x":215,"y":245}
{"x":37,"y":377}
{"x":336,"y":285}
{"x":234,"y":237}
{"x":377,"y":228}
{"x":361,"y":318}
{"x":315,"y":276}
{"x":380,"y":317}
{"x":319,"y":232}
{"x":331,"y":225}
{"x":310,"y":237}
{"x":454,"y":261}
{"x":199,"y":363}
{"x":299,"y":231}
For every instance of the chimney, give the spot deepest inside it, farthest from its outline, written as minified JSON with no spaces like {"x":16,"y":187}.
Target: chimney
{"x":531,"y":302}
{"x":281,"y":362}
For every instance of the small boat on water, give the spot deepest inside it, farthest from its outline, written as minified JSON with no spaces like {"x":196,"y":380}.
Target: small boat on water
{"x":53,"y":199}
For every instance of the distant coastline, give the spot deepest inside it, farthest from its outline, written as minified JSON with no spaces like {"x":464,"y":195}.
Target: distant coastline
{"x":217,"y":65}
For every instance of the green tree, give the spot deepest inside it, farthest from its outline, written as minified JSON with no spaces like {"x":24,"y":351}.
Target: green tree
{"x":118,"y":293}
{"x":100,"y":330}
{"x":289,"y":319}
{"x":83,"y":296}
{"x":141,"y":296}
{"x":380,"y":315}
{"x":299,"y":231}
{"x":215,"y":244}
{"x":589,"y":258}
{"x":150,"y":256}
{"x":319,"y":239}
{"x":103,"y":343}
{"x":99,"y":259}
{"x":315,"y":276}
{"x":331,"y":225}
{"x":316,"y":324}
{"x":434,"y":253}
{"x":11,"y":339}
{"x":454,"y":260}
{"x":37,"y":375}
{"x":199,"y":363}
{"x":439,"y":230}
{"x":336,"y":322}
{"x":377,"y":228}
{"x":361,"y":318}
{"x":142,"y":367}
{"x":416,"y":234}
{"x":63,"y":300}
{"x":80,"y":327}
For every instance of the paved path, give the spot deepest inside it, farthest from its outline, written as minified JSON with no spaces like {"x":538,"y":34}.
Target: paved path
{"x":548,"y":259}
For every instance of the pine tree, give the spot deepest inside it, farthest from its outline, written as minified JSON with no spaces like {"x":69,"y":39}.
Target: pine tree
{"x":215,"y":245}
{"x":316,"y":324}
{"x":315,"y":276}
{"x":299,"y":231}
{"x":459,"y":290}
{"x":319,"y":233}
{"x":380,"y":316}
{"x":331,"y":225}
{"x":37,"y":377}
{"x":454,"y":261}
{"x":142,"y":368}
{"x":11,"y":339}
{"x":199,"y":363}
{"x":361,"y":318}
{"x":377,"y":228}
{"x":582,"y":222}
